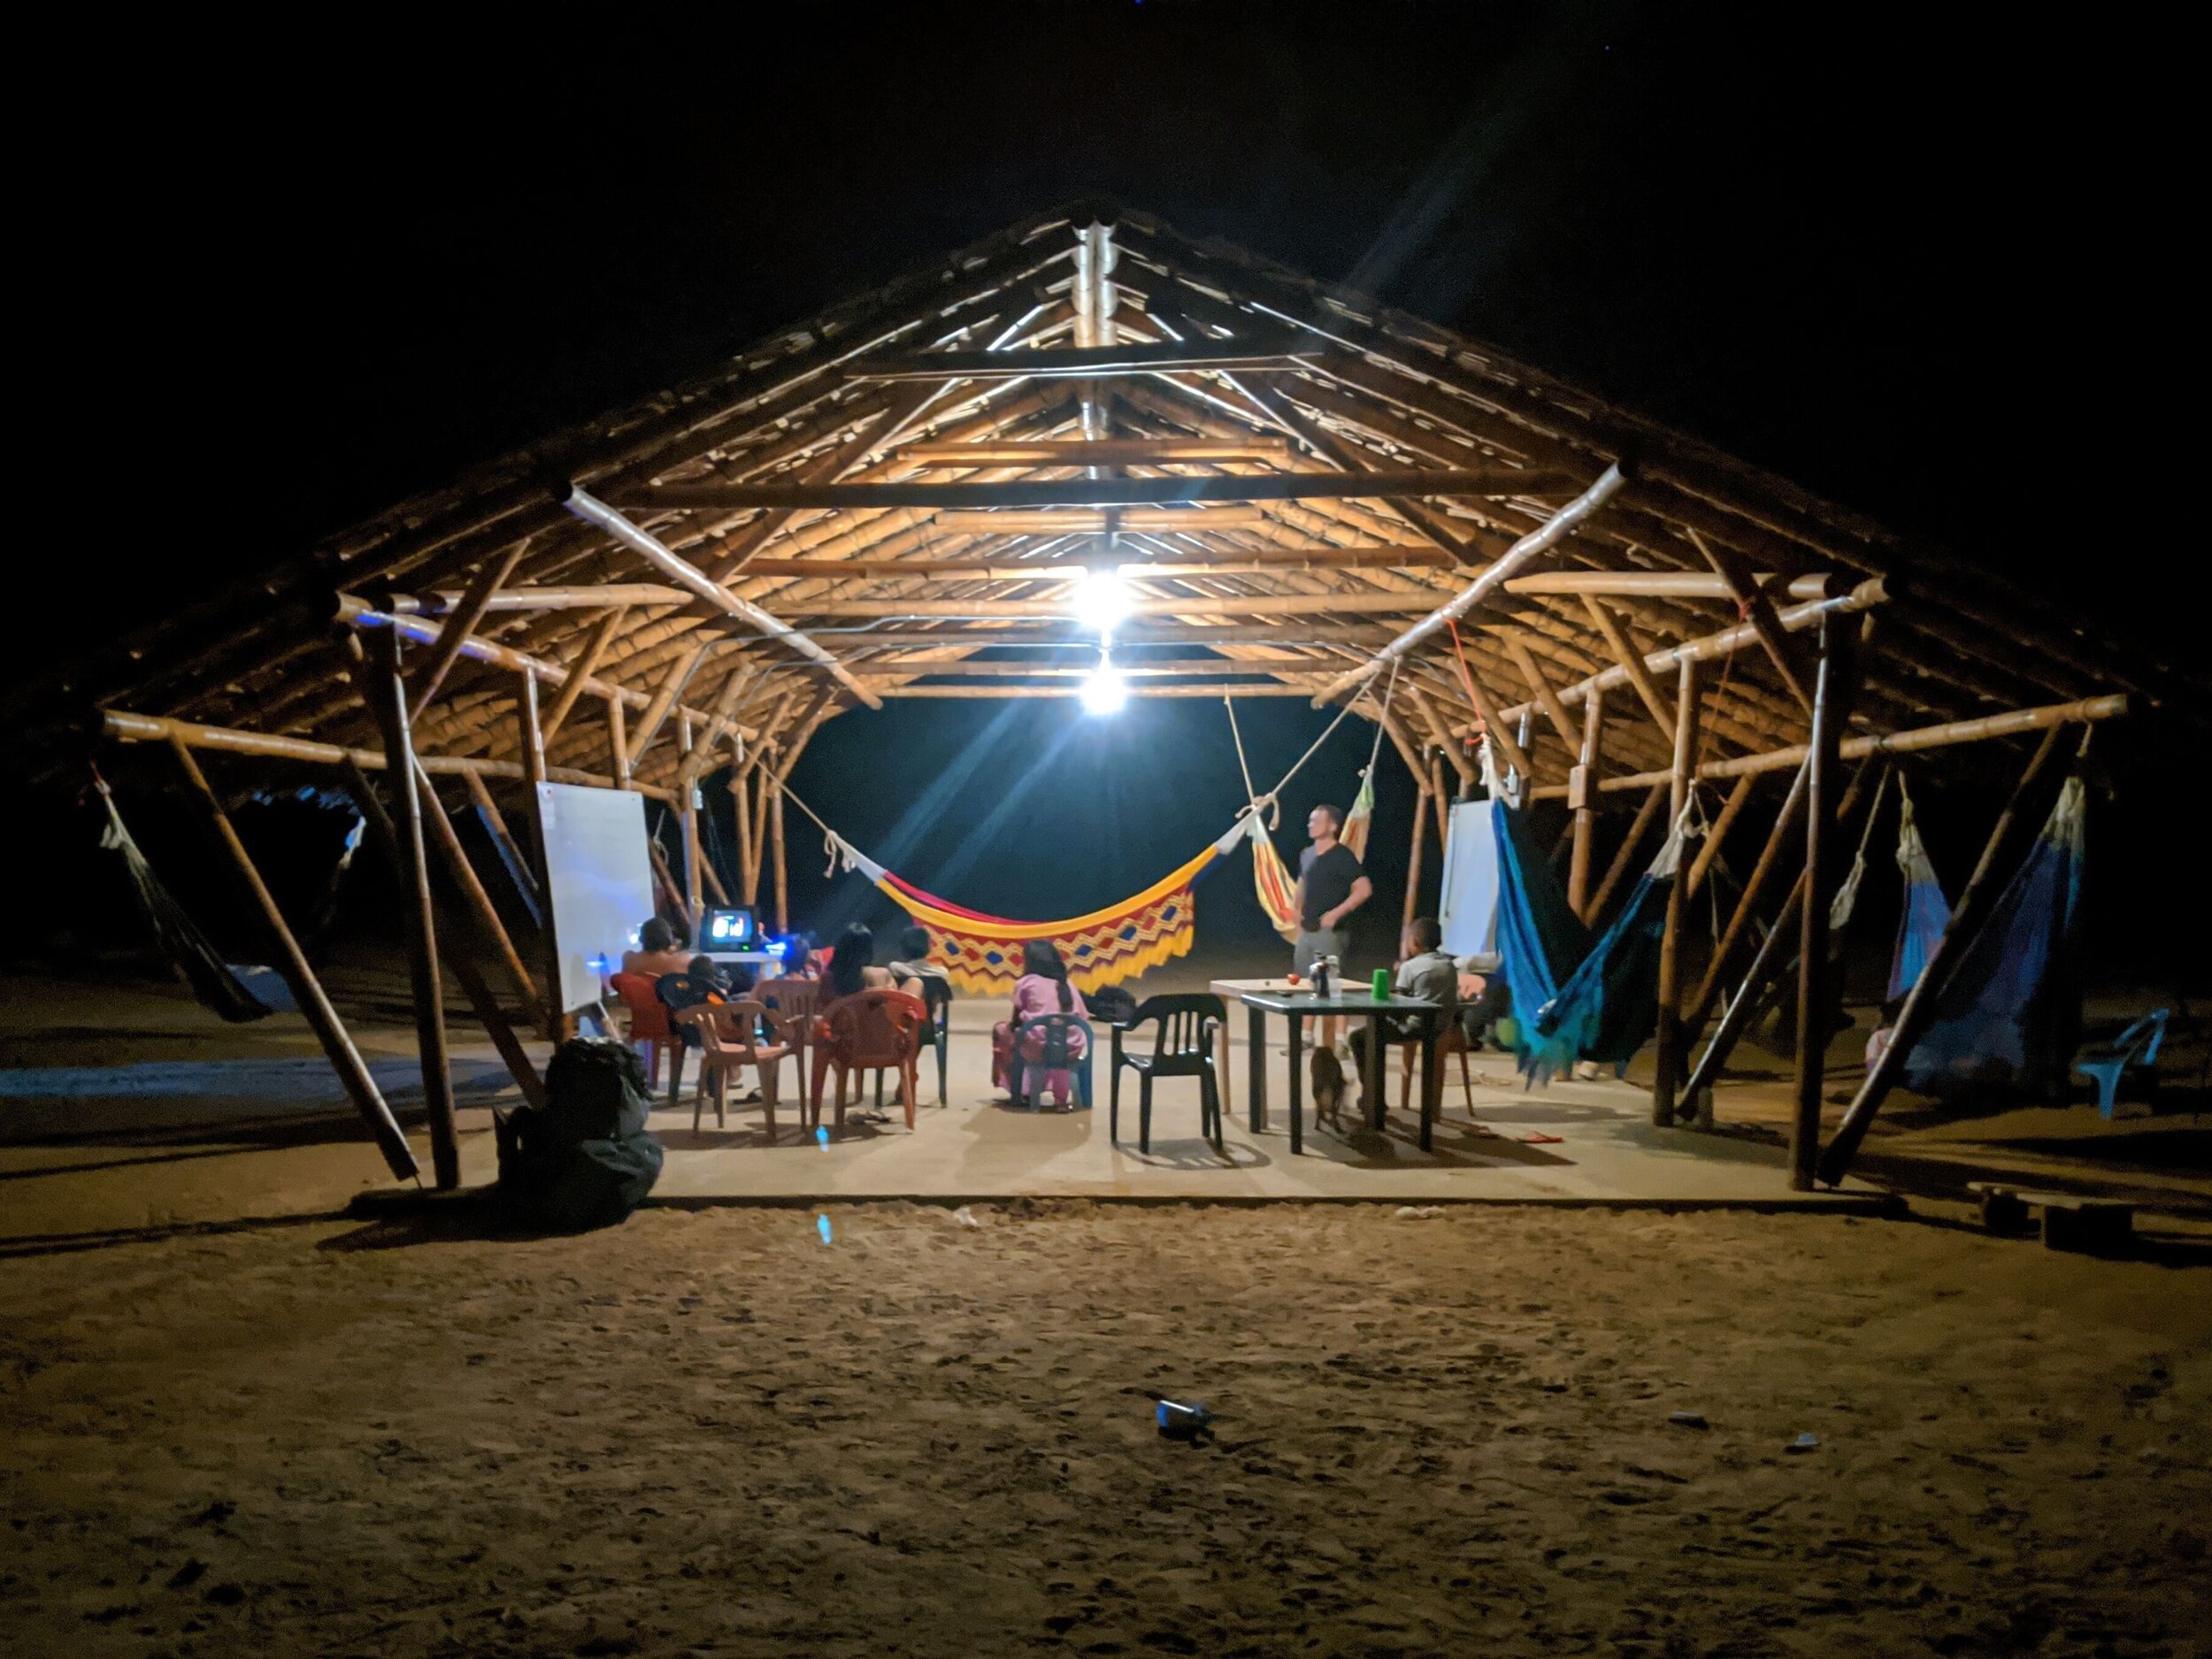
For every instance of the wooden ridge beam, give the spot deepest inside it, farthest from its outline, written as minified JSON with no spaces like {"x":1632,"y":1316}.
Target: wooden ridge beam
{"x":1659,"y":584}
{"x":1083,"y":362}
{"x":1094,"y":520}
{"x":979,"y":693}
{"x":1100,"y":492}
{"x":1094,"y":451}
{"x":1328,"y":604}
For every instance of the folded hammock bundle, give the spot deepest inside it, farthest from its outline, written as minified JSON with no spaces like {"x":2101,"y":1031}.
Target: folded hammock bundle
{"x":982,"y":954}
{"x":2010,"y":1017}
{"x":1575,"y":998}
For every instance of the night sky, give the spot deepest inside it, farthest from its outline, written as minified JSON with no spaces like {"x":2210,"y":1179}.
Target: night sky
{"x":1881,"y":261}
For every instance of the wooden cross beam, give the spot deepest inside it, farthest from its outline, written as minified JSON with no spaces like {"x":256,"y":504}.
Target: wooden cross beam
{"x":718,"y":496}
{"x":1085,"y":362}
{"x":1096,"y":451}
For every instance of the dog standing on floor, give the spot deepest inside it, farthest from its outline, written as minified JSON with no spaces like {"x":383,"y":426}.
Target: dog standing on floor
{"x":1328,"y":1084}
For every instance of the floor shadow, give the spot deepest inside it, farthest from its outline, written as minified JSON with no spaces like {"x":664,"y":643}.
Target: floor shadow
{"x":1197,"y":1155}
{"x":75,"y":1243}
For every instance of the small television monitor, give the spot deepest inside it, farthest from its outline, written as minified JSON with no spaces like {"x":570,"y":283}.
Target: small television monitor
{"x":729,"y":930}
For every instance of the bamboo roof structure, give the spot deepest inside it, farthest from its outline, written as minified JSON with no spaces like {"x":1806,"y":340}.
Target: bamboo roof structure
{"x":1295,"y":482}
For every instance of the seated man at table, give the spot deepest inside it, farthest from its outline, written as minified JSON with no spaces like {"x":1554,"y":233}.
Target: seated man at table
{"x":1425,"y":974}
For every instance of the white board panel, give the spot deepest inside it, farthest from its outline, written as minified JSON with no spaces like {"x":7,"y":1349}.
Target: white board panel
{"x":602,"y":880}
{"x":1469,"y":909}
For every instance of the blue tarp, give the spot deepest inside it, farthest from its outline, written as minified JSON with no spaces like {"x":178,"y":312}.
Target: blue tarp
{"x":2010,"y":1017}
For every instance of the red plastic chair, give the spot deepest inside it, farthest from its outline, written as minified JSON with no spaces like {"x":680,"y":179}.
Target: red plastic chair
{"x":648,"y":1020}
{"x":875,"y":1031}
{"x":728,"y":1041}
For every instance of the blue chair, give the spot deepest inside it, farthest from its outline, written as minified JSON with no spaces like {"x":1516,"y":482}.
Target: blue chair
{"x":1056,"y":1052}
{"x":2138,"y":1045}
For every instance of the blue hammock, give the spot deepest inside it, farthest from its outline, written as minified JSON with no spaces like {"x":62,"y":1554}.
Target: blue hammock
{"x":1926,"y":911}
{"x":1606,"y":1007}
{"x":2009,"y":1018}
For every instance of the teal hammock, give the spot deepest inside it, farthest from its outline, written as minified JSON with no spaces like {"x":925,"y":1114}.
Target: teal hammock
{"x":1575,"y":998}
{"x":2009,"y":1019}
{"x":1925,"y":913}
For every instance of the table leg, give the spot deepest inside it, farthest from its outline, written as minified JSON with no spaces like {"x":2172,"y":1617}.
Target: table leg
{"x":1297,"y":1093}
{"x":1431,"y":1079}
{"x":1256,"y":1057}
{"x":1371,"y":1077}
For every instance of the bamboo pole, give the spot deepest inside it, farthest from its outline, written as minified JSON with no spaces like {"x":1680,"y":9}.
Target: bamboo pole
{"x":783,"y":878}
{"x":1137,"y":688}
{"x":1531,"y":546}
{"x":1625,"y":857}
{"x":1620,"y":584}
{"x":680,"y":570}
{"x":695,"y":858}
{"x":1666,"y":1071}
{"x":531,"y":738}
{"x":299,"y":978}
{"x":1582,"y":794}
{"x":461,"y":623}
{"x":1631,"y":661}
{"x":1554,"y":710}
{"x":488,"y":1013}
{"x":1767,"y":961}
{"x":716,"y":496}
{"x":1993,"y":870}
{"x":747,"y":859}
{"x":1497,"y":729}
{"x":1830,"y":710}
{"x":1095,"y":452}
{"x":678,"y":677}
{"x":1059,"y":521}
{"x":1952,"y":732}
{"x":1758,"y":609}
{"x":587,"y":663}
{"x":1424,"y":801}
{"x":618,"y":744}
{"x":1329,"y":604}
{"x":466,"y":881}
{"x":1730,"y":810}
{"x":1769,"y":857}
{"x":388,"y":694}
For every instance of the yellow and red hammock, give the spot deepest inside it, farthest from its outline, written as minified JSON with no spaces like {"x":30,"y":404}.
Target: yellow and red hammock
{"x":983,"y":953}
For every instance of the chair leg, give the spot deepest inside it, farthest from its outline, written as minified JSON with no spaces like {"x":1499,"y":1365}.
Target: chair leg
{"x":944,"y":1043}
{"x":1210,"y":1108}
{"x":1405,"y":1079}
{"x":1113,"y":1104}
{"x":879,"y":1088}
{"x":1466,"y":1082}
{"x":910,"y":1085}
{"x":770,"y":1075}
{"x":699,"y":1103}
{"x":1144,"y":1114}
{"x":721,"y":1091}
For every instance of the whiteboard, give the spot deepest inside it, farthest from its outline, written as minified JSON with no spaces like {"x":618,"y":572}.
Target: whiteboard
{"x":1470,"y":908}
{"x":602,"y":881}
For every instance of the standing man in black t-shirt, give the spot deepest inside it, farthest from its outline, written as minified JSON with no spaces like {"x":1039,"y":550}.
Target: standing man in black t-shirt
{"x":1331,"y":886}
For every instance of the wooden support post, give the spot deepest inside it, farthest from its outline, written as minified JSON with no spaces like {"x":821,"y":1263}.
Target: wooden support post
{"x":587,"y":663}
{"x":1758,"y":609}
{"x":475,"y":599}
{"x":478,"y":991}
{"x":534,"y":737}
{"x":1769,"y":859}
{"x":694,"y":859}
{"x":1772,"y":954}
{"x":618,"y":741}
{"x":748,"y":858}
{"x":1981,"y":892}
{"x":465,"y":882}
{"x":1830,"y":696}
{"x":1623,"y":859}
{"x":511,"y":855}
{"x":307,"y":991}
{"x":387,"y":696}
{"x":783,"y":881}
{"x":1730,"y":810}
{"x":1582,"y":799}
{"x":1632,"y":662}
{"x":1667,"y":1072}
{"x":1423,"y":802}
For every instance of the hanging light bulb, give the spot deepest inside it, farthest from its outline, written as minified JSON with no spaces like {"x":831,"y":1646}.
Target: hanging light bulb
{"x":1105,"y":692}
{"x":1100,"y":600}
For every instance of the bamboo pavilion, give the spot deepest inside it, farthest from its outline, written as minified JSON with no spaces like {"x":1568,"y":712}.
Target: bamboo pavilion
{"x":1301,"y":493}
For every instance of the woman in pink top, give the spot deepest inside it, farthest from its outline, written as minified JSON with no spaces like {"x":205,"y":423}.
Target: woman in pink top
{"x":1044,"y":988}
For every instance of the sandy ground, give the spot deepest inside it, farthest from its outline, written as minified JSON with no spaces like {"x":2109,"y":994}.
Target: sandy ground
{"x":714,"y":1433}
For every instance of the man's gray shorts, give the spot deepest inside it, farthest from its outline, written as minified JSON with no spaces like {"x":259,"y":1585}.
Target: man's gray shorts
{"x":1311,"y":948}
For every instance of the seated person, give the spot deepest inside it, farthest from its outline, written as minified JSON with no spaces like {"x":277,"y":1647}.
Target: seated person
{"x":1425,"y":974}
{"x":852,"y":966}
{"x":657,"y":953}
{"x":1044,"y":988}
{"x":1484,"y":998}
{"x":914,"y":965}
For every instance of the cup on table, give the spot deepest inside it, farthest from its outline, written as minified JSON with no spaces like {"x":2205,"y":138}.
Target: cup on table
{"x":1382,"y":984}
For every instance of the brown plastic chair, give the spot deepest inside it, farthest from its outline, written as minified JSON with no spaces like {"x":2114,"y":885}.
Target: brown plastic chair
{"x":1449,"y":1040}
{"x":792,"y":1005}
{"x":875,"y":1031}
{"x":727,"y":1043}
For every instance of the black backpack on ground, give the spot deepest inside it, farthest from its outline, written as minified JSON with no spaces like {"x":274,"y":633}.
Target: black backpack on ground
{"x":1113,"y":1005}
{"x":586,"y":1160}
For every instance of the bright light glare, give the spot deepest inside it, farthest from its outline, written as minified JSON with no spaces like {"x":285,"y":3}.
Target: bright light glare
{"x":1105,"y":692}
{"x":1100,"y":600}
